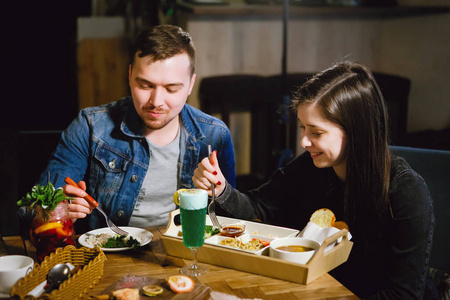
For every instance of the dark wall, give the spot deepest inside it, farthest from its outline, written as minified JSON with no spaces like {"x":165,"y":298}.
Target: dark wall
{"x":38,"y":53}
{"x":39,"y":91}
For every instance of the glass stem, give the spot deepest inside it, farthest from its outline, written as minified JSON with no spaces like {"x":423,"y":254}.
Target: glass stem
{"x":194,"y":257}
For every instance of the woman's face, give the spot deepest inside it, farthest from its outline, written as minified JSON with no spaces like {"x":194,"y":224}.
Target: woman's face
{"x":324,"y":140}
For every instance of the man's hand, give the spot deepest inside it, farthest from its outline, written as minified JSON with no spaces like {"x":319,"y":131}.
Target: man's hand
{"x":78,"y":207}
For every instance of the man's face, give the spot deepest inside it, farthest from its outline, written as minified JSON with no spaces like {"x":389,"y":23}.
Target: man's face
{"x":160,"y":89}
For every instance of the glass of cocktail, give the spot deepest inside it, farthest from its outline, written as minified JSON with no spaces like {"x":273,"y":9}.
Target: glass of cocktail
{"x":51,"y":226}
{"x":193,"y":204}
{"x":51,"y":230}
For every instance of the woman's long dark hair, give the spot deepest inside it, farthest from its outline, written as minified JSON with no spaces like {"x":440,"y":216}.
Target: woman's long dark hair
{"x":348,"y":96}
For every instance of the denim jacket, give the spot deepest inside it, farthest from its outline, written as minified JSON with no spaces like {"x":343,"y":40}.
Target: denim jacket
{"x":399,"y":267}
{"x":105,"y":146}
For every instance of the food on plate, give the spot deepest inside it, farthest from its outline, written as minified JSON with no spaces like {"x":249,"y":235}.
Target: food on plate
{"x":210,"y":231}
{"x":267,"y":235}
{"x":253,"y":245}
{"x":121,"y":241}
{"x":180,"y":283}
{"x":323,"y":217}
{"x":126,"y":294}
{"x":294,"y":248}
{"x":341,"y":225}
{"x":113,"y":240}
{"x":264,"y":243}
{"x":152,"y":290}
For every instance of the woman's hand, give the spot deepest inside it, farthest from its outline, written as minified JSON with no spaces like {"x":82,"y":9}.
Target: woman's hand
{"x":207,"y":172}
{"x":78,"y":207}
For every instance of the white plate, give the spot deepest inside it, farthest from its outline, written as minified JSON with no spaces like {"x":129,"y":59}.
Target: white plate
{"x":142,"y":235}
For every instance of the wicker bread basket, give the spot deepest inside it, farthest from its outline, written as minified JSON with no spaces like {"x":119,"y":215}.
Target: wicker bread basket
{"x":90,"y":260}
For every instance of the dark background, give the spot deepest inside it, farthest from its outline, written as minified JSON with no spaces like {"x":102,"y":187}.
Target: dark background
{"x":38,"y":52}
{"x":39,"y":91}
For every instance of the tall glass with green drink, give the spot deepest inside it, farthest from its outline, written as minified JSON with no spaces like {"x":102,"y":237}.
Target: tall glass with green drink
{"x":193,"y":204}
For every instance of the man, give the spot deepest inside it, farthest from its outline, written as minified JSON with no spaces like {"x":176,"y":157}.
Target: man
{"x":133,"y":154}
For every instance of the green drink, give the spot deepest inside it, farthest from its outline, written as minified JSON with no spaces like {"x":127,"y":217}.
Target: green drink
{"x":193,"y":224}
{"x":193,"y":204}
{"x":193,"y":215}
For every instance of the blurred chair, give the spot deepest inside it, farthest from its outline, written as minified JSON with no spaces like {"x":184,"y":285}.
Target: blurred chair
{"x":395,"y":90}
{"x":263,"y":98}
{"x":34,"y":151}
{"x":273,"y":127}
{"x":25,"y":155}
{"x":434,"y":167}
{"x":3,"y":244}
{"x":242,"y":93}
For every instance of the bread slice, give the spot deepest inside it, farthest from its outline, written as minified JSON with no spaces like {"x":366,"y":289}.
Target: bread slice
{"x":323,"y":217}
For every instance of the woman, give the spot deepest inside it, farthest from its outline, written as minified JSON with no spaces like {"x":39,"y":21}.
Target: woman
{"x":349,"y":169}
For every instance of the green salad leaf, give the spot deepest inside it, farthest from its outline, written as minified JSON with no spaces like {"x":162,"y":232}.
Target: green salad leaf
{"x":210,"y":231}
{"x":120,"y":242}
{"x":46,"y":196}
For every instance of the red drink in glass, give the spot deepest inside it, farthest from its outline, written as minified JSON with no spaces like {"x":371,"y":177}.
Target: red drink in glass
{"x":52,"y":230}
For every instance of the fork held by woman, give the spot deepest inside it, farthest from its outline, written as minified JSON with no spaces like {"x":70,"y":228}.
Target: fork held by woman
{"x":212,"y":205}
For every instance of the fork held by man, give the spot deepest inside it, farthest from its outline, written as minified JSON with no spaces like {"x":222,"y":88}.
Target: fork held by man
{"x":94,"y":203}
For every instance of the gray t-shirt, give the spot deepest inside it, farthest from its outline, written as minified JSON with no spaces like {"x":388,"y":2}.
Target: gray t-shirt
{"x":155,"y":199}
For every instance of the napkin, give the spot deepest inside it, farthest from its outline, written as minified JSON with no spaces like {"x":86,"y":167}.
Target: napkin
{"x":316,"y":233}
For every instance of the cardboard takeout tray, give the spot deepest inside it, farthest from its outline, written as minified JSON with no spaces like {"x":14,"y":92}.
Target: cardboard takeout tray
{"x":319,"y":264}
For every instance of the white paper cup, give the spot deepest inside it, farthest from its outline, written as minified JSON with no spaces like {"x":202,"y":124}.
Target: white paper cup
{"x":297,"y":257}
{"x":12,"y":268}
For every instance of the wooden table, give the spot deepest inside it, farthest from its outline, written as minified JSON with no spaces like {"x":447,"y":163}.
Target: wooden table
{"x":152,"y":261}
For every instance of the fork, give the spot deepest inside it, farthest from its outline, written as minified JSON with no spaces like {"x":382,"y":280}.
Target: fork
{"x":94,"y":203}
{"x":212,"y":204}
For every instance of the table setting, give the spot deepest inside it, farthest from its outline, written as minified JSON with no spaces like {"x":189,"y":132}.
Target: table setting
{"x":201,"y":256}
{"x":153,"y":261}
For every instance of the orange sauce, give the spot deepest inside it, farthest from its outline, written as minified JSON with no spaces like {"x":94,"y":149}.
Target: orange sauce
{"x":294,"y":248}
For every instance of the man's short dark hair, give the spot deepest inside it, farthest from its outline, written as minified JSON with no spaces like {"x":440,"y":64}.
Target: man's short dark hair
{"x":162,"y":42}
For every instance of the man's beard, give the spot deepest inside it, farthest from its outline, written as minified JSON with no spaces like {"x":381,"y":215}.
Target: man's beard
{"x":153,"y":124}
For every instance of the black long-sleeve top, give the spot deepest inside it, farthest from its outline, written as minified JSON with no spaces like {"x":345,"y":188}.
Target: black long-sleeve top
{"x":399,"y":267}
